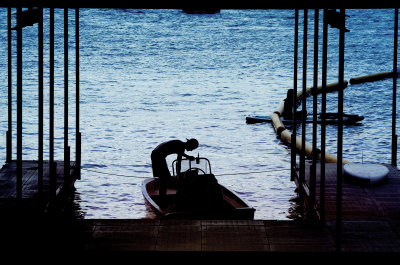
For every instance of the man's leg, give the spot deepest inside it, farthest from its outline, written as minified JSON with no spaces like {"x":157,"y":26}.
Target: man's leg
{"x":160,"y":170}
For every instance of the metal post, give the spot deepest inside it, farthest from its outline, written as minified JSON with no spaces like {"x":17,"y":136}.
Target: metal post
{"x":66,"y":152}
{"x":19,"y":102}
{"x":293,"y":140}
{"x":9,"y":132}
{"x":52,"y":164}
{"x":304,"y":107}
{"x":394,"y":135}
{"x":340,"y":135}
{"x":78,"y":134}
{"x":40,"y":66}
{"x":313,"y":175}
{"x":323,"y":113}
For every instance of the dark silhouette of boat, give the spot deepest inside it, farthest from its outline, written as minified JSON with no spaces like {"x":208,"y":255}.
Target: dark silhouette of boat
{"x":194,"y":193}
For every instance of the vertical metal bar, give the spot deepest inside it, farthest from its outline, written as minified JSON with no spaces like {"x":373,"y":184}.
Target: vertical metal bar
{"x":340,"y":135}
{"x":295,"y":62}
{"x":78,"y":151}
{"x":394,"y":136}
{"x":78,"y":134}
{"x":67,"y":163}
{"x":304,"y":107}
{"x":19,"y":103}
{"x":51,"y":108}
{"x":40,"y":66}
{"x":9,"y":132}
{"x":323,"y":113}
{"x":66,"y":153}
{"x":315,"y":102}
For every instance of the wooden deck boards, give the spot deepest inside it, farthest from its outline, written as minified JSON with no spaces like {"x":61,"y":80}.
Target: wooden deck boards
{"x":239,"y":236}
{"x":30,"y":194}
{"x":97,"y":238}
{"x":360,"y":202}
{"x":370,"y":224}
{"x":204,"y":236}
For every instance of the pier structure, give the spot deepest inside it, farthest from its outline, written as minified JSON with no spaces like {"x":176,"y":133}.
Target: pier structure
{"x":323,"y":187}
{"x":38,"y":182}
{"x":372,"y":227}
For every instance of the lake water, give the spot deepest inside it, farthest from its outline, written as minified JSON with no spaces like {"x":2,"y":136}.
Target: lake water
{"x":149,"y":76}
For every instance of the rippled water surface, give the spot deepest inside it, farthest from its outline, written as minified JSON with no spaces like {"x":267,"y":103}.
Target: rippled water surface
{"x":149,"y":76}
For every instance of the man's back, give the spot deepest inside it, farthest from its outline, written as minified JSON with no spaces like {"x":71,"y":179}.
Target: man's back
{"x":170,"y":147}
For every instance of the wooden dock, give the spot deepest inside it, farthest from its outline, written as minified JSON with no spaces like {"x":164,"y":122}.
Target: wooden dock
{"x":358,"y":201}
{"x":31,"y":196}
{"x":207,"y":236}
{"x":370,"y":227}
{"x":253,"y":237}
{"x":98,"y":239}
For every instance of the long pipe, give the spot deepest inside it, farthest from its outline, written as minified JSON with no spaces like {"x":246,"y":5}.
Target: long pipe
{"x":323,"y":112}
{"x":66,"y":147}
{"x":394,"y":135}
{"x":304,"y":107}
{"x":372,"y":77}
{"x":40,"y":88}
{"x":295,"y":63}
{"x":9,"y":132}
{"x":78,"y":134}
{"x":313,"y":176}
{"x":51,"y":108}
{"x":19,"y":103}
{"x":340,"y":137}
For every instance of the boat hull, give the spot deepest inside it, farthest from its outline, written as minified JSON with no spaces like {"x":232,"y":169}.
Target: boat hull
{"x":233,"y":207}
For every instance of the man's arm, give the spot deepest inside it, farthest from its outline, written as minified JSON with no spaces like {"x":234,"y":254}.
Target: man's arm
{"x":188,"y":156}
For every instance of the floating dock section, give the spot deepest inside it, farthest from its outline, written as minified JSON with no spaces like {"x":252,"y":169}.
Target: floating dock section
{"x":360,"y":200}
{"x":39,"y":182}
{"x":39,"y":201}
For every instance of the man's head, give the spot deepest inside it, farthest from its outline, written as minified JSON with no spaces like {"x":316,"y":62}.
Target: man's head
{"x":191,"y":144}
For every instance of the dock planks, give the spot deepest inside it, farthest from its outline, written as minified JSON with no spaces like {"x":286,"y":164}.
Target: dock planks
{"x":155,"y":238}
{"x":204,"y":236}
{"x":30,"y":193}
{"x":250,"y":237}
{"x":370,"y":225}
{"x":359,"y":202}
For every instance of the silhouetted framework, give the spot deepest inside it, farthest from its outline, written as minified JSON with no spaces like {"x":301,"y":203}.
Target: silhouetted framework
{"x":307,"y":187}
{"x":29,"y":16}
{"x":394,"y":135}
{"x":294,"y":124}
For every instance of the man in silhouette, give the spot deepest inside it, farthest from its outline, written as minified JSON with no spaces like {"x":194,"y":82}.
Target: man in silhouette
{"x":159,"y":162}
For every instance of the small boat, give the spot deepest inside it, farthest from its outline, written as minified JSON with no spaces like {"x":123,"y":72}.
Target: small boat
{"x":194,"y":193}
{"x":330,"y":118}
